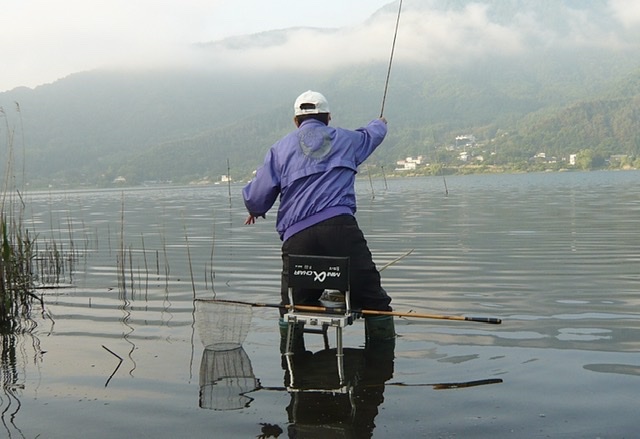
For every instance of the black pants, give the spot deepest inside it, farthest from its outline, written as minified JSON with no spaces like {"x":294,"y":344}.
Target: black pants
{"x":338,"y":236}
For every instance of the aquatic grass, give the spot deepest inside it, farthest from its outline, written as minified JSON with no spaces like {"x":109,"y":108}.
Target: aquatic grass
{"x":16,"y":267}
{"x":23,"y":264}
{"x":16,"y":287}
{"x":27,"y":263}
{"x":16,"y":250}
{"x":136,"y":264}
{"x":49,"y":264}
{"x":128,"y":269}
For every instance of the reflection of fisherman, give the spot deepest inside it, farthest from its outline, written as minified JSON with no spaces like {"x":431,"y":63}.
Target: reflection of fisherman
{"x":318,"y":414}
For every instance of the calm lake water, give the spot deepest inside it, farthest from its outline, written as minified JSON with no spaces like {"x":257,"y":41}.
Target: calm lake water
{"x":118,"y":350}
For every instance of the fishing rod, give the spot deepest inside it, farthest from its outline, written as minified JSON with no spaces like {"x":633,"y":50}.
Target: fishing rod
{"x":311,"y":308}
{"x":393,"y":47}
{"x":365,"y":312}
{"x":388,"y":264}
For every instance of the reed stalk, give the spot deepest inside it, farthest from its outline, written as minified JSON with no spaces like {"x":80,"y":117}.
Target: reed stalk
{"x":193,"y":283}
{"x":212,"y":272}
{"x":229,"y":181}
{"x":131,"y":276}
{"x":120,"y":260}
{"x":146,"y":267}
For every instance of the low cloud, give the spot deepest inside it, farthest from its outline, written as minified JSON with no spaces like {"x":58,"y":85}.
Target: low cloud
{"x":109,"y":34}
{"x":627,"y":12}
{"x":43,"y":39}
{"x":430,"y":36}
{"x":424,"y":36}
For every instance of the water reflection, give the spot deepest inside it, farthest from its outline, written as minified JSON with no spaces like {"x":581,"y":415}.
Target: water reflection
{"x":320,"y":404}
{"x":9,"y":401}
{"x":226,"y":376}
{"x":12,"y":380}
{"x":317,"y":410}
{"x":555,"y":256}
{"x":624,"y":369}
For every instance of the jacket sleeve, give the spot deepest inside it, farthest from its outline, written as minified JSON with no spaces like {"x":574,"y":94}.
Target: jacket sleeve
{"x":261,"y":192}
{"x":371,"y":137}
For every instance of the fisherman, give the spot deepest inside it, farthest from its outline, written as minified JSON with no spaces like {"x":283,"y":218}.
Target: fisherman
{"x":313,"y":170}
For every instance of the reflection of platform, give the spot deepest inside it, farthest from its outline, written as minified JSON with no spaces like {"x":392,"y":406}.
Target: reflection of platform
{"x":325,"y":404}
{"x":226,"y":375}
{"x":317,"y":372}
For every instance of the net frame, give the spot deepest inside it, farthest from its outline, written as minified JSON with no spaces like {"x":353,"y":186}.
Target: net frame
{"x":222,"y":325}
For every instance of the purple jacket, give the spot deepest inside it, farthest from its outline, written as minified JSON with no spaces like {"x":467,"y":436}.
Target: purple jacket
{"x":313,"y":169}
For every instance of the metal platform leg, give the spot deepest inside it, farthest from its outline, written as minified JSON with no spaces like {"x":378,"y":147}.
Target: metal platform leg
{"x":289,"y":348}
{"x":340,"y":355}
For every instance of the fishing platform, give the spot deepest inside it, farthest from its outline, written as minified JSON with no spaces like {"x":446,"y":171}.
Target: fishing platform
{"x":321,"y":273}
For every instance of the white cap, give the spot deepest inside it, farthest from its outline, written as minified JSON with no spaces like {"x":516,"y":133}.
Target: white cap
{"x":310,"y":102}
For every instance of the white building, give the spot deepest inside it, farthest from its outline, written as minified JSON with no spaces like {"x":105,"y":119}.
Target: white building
{"x":408,"y":164}
{"x":466,"y":140}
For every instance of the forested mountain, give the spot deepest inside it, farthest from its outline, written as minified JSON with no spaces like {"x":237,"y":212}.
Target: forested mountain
{"x":520,"y":76}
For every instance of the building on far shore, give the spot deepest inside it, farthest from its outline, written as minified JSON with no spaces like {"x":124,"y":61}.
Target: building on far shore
{"x":408,"y":164}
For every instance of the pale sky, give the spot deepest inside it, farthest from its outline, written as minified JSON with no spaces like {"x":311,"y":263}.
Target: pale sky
{"x":45,"y":40}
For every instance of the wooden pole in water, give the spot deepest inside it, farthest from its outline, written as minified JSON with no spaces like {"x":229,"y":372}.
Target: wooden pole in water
{"x":385,"y":177}
{"x":229,"y":180}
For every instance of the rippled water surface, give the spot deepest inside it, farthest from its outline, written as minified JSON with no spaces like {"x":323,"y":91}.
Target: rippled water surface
{"x":119,"y":352}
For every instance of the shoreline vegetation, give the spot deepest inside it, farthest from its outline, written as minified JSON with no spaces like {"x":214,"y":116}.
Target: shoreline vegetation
{"x":376,"y":172}
{"x":512,"y":168}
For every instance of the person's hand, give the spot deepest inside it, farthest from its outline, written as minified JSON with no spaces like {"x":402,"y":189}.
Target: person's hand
{"x":384,"y":119}
{"x":252,"y":219}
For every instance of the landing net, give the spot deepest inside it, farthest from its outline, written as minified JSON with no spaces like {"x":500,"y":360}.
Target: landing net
{"x":222,"y":325}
